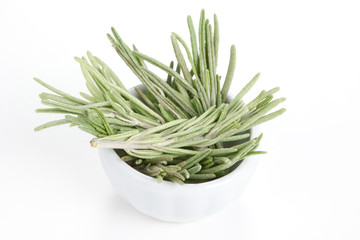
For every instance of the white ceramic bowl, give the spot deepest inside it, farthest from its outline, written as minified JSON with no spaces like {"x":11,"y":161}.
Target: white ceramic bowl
{"x":169,"y":201}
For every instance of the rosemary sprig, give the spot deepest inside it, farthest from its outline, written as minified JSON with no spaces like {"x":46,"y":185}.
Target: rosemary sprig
{"x":177,"y":128}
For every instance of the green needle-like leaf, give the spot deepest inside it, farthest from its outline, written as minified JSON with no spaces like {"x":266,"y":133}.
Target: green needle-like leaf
{"x":183,"y":129}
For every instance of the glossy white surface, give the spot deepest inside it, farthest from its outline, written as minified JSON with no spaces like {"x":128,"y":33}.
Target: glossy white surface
{"x":171,"y":202}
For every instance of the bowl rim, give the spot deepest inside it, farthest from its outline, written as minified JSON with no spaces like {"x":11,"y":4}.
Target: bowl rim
{"x":219,"y":181}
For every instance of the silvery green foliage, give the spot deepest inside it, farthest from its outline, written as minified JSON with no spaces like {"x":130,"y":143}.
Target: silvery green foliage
{"x":178,"y":128}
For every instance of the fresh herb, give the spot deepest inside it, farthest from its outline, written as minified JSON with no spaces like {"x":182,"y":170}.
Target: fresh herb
{"x":177,"y":129}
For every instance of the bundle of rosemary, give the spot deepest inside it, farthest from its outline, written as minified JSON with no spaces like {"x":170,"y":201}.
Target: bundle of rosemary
{"x":177,"y":128}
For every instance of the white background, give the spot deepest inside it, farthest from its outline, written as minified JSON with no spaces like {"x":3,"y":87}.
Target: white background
{"x":52,"y":185}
